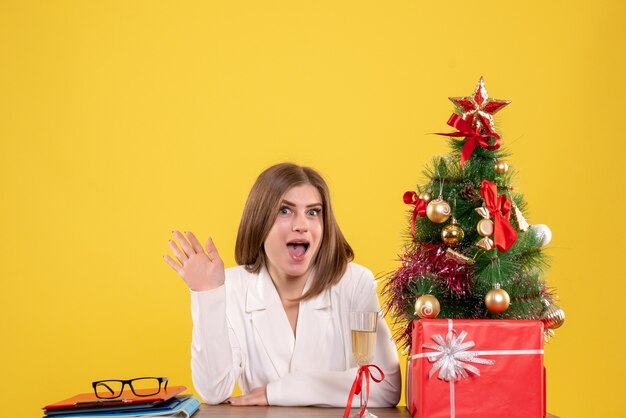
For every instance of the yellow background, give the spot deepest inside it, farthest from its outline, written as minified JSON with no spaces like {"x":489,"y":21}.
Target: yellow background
{"x":120,"y":121}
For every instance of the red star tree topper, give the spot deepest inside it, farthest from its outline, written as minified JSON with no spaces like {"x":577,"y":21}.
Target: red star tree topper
{"x":478,"y":109}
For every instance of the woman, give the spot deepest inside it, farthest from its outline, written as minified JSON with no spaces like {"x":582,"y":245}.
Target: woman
{"x":279,"y":322}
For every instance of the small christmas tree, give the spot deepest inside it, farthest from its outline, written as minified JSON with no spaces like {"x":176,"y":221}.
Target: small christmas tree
{"x":470,"y":252}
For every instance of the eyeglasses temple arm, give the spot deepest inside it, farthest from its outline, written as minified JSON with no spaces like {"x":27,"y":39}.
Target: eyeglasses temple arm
{"x":106,"y":386}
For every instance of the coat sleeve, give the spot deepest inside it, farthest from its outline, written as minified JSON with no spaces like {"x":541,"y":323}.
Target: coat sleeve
{"x":331,"y":388}
{"x":215,"y":353}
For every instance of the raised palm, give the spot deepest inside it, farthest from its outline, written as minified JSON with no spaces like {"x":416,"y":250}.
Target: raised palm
{"x":199,"y":269}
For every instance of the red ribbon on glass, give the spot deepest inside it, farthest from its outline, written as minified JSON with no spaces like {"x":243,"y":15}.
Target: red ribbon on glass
{"x":473,"y":136}
{"x":411,"y":198}
{"x":362,"y":373}
{"x":499,"y":208}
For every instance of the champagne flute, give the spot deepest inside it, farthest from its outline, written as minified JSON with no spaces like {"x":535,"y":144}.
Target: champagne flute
{"x":363,"y":327}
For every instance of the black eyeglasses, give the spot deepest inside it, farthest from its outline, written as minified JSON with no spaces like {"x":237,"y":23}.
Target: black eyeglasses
{"x":141,"y":386}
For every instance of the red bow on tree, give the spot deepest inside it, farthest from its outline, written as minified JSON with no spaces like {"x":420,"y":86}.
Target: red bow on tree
{"x":499,"y":208}
{"x":362,"y":373}
{"x":411,"y":198}
{"x":473,"y":136}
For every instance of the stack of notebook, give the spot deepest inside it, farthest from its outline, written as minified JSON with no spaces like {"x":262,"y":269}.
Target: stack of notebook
{"x":167,"y":403}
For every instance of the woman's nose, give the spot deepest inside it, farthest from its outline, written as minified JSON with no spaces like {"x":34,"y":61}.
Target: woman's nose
{"x":299,"y":228}
{"x":300,"y":224}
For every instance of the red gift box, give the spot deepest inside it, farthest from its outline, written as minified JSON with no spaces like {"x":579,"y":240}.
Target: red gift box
{"x":476,"y":369}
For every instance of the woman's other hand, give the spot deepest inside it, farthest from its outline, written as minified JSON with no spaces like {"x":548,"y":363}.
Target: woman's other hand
{"x":201,"y":271}
{"x":256,"y":397}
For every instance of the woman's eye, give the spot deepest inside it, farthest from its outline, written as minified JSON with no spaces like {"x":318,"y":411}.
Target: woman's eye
{"x":284,"y":210}
{"x":314,"y":212}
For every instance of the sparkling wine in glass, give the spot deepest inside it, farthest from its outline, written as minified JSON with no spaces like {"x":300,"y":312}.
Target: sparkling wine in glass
{"x":363,"y":327}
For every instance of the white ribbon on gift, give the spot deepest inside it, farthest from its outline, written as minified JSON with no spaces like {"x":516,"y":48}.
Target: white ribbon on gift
{"x":452,"y":358}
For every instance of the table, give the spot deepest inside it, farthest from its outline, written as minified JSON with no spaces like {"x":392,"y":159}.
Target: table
{"x":213,"y":411}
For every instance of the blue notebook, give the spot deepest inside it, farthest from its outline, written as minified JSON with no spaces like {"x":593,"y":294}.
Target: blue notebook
{"x":183,"y":407}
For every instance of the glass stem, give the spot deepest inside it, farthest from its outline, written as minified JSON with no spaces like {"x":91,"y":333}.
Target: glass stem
{"x":361,"y":399}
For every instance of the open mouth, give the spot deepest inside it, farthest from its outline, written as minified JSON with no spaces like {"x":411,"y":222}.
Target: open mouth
{"x":297,"y":249}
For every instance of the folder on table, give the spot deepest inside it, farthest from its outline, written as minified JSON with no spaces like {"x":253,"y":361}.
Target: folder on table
{"x":128,"y":400}
{"x":180,"y":407}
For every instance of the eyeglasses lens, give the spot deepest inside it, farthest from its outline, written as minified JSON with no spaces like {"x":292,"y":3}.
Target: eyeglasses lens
{"x":146,"y":386}
{"x":109,"y":389}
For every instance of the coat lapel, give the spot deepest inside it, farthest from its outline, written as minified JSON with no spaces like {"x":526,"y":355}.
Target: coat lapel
{"x":270,"y":322}
{"x":312,"y":339}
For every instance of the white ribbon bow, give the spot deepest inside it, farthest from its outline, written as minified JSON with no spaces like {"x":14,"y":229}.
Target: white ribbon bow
{"x":452,"y":358}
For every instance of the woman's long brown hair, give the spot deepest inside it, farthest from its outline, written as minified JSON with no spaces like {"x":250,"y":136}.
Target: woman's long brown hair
{"x":260,"y":213}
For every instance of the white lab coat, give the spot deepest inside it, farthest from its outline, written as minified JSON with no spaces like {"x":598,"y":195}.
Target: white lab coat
{"x":241,"y":333}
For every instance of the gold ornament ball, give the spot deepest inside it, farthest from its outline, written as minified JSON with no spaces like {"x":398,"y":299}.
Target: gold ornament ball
{"x":427,"y":307}
{"x":497,"y":300}
{"x":425,"y":196}
{"x":438,"y":211}
{"x":501,"y":167}
{"x":553,"y":317}
{"x":452,"y":235}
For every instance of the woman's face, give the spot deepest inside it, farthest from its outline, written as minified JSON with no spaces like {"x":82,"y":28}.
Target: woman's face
{"x":295,"y":237}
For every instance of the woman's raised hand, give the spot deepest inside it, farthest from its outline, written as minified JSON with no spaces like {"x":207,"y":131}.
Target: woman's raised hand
{"x":200,"y":270}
